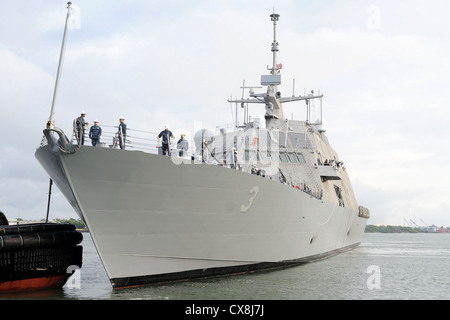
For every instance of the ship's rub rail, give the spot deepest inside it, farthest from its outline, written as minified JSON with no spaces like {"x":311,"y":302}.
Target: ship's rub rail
{"x":364,"y":212}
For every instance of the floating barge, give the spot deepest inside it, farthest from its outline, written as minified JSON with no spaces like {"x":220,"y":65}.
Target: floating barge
{"x":38,"y":256}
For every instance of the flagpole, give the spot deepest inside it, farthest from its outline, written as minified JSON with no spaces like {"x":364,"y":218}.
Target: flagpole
{"x":50,"y":123}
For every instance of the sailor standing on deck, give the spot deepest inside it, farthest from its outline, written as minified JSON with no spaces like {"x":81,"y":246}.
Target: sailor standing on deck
{"x":166,"y":135}
{"x":122,"y":132}
{"x":235,"y":164}
{"x":95,"y":133}
{"x":182,"y":146}
{"x":79,"y":128}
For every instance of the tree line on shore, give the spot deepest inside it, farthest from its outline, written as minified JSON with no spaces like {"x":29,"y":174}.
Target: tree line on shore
{"x":391,"y":229}
{"x":79,"y":224}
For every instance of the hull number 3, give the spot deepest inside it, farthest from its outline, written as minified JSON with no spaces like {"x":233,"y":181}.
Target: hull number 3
{"x":253,"y":193}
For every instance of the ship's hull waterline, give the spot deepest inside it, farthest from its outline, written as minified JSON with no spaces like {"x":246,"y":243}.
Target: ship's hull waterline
{"x":152,"y":220}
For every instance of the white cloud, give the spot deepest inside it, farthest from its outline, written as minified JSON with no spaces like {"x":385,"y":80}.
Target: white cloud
{"x":25,"y":92}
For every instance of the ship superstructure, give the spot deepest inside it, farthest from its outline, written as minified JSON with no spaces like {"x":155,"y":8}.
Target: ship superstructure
{"x":293,"y":152}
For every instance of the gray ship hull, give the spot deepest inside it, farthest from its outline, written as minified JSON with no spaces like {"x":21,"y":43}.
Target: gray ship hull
{"x":152,"y":220}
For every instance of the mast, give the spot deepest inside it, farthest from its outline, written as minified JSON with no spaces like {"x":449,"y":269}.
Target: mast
{"x":272,"y":97}
{"x":51,"y":123}
{"x":274,"y":110}
{"x":275,"y":17}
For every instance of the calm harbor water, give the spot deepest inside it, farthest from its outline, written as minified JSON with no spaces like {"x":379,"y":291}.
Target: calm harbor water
{"x":384,"y":266}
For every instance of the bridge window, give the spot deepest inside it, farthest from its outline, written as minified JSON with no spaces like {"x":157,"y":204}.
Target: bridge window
{"x":283,"y":157}
{"x":274,"y":156}
{"x":262,"y":156}
{"x":300,"y":157}
{"x":292,"y":157}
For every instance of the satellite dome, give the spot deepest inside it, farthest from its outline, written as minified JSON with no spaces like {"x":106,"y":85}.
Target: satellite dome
{"x":204,"y":134}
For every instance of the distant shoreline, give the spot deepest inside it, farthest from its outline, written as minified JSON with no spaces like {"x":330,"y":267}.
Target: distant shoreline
{"x":397,"y":229}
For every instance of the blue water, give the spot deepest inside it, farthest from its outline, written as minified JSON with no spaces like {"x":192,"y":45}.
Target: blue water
{"x":384,"y":266}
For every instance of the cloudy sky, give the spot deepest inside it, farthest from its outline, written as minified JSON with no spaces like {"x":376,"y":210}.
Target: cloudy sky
{"x":383,"y":67}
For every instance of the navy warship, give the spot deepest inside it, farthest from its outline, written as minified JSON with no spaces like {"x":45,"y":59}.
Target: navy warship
{"x":269,"y":193}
